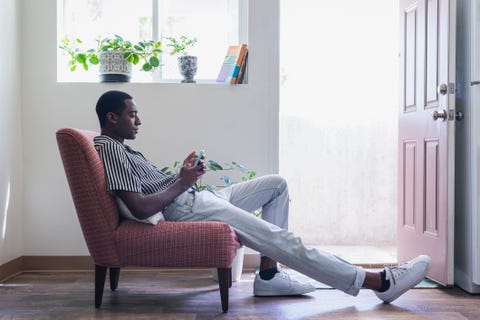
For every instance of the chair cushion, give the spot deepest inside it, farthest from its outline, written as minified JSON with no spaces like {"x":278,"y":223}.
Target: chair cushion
{"x":176,"y":244}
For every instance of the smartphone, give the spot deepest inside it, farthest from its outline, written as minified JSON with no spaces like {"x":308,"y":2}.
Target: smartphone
{"x":200,"y":155}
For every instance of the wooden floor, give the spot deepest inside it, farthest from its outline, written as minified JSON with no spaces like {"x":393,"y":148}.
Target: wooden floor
{"x":192,"y":294}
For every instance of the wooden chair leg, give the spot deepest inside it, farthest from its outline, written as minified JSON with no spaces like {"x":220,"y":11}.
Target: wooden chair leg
{"x":114,"y":276}
{"x":100,"y":275}
{"x":224,"y":283}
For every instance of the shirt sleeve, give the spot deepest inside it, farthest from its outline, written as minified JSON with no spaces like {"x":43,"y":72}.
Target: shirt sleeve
{"x":119,"y":172}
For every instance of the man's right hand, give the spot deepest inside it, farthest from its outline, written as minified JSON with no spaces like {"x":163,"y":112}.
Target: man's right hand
{"x":189,"y":173}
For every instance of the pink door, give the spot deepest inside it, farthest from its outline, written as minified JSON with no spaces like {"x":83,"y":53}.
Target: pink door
{"x":426,"y":149}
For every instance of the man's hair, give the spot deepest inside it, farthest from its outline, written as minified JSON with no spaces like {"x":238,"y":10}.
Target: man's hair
{"x":110,"y":101}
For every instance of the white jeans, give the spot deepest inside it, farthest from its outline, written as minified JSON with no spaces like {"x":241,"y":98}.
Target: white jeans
{"x":268,"y":235}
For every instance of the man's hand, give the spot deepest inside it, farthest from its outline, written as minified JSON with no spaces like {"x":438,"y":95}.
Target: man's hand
{"x":188,"y":173}
{"x":144,"y":206}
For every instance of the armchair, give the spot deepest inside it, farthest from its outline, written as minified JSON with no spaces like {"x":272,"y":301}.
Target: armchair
{"x":116,"y":243}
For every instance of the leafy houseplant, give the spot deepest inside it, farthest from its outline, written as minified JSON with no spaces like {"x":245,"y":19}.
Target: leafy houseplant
{"x":115,"y":56}
{"x":226,"y":180}
{"x":215,"y":166}
{"x":187,"y":64}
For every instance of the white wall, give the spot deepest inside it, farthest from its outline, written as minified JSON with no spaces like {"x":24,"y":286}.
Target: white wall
{"x":10,"y":134}
{"x":231,"y":122}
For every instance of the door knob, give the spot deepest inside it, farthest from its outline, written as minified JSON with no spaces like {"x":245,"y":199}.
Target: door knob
{"x":442,"y":114}
{"x":442,"y":89}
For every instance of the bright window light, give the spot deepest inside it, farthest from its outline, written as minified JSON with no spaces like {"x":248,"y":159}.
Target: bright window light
{"x":215,"y":24}
{"x":338,"y":119}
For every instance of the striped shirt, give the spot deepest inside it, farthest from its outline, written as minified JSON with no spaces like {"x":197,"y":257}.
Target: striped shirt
{"x":128,"y":170}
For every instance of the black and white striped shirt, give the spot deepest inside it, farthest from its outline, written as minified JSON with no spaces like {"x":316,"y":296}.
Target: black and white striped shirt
{"x":128,"y":170}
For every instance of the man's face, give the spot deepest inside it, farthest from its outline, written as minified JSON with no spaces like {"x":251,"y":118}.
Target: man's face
{"x":128,"y":121}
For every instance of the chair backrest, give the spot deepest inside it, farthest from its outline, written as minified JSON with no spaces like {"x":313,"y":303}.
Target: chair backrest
{"x":96,"y":209}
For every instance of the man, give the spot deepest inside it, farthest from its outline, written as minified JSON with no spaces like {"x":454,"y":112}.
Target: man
{"x":146,"y":191}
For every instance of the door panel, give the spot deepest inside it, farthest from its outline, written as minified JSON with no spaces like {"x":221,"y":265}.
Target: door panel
{"x":425,"y":183}
{"x":431,"y":54}
{"x":410,"y":50}
{"x":431,"y":188}
{"x":409,"y":184}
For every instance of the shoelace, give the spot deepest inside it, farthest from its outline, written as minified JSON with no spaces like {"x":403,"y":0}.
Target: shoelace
{"x":284,"y":275}
{"x":397,"y":271}
{"x":287,"y":276}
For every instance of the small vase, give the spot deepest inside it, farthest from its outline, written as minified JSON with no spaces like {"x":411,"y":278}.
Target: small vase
{"x":114,"y":67}
{"x":188,"y":68}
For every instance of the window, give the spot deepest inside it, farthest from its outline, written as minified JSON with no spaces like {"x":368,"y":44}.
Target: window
{"x":215,"y":24}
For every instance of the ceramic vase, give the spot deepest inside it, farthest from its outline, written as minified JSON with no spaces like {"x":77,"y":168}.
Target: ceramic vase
{"x":188,"y":68}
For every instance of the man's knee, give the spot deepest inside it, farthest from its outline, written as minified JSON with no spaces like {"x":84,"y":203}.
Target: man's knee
{"x":278,"y":181}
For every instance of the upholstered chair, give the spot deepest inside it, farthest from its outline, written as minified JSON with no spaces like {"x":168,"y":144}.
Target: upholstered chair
{"x":115,"y":243}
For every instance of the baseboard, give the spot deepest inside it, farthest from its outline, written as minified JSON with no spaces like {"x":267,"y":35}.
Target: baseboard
{"x":11,"y":268}
{"x":251,"y":261}
{"x":74,"y":263}
{"x":46,"y":263}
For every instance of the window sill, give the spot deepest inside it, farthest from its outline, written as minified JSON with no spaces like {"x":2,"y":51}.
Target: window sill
{"x":198,"y":82}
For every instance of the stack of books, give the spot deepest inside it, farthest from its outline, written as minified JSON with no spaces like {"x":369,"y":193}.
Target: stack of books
{"x":234,"y":65}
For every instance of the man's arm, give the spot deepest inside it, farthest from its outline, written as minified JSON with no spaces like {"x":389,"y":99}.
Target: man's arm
{"x":144,"y":206}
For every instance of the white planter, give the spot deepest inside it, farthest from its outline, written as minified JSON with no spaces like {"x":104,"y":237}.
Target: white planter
{"x":114,"y":67}
{"x":237,"y":266}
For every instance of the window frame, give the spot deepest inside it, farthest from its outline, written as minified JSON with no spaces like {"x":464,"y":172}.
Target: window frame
{"x":243,"y":22}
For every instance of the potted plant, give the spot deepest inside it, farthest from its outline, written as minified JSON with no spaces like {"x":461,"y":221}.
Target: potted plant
{"x":115,"y":56}
{"x":187,"y":64}
{"x":237,"y":265}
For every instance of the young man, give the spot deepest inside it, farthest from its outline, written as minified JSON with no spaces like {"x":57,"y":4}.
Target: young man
{"x":147,"y":191}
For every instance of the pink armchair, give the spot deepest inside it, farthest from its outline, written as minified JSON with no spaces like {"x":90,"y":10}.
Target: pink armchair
{"x":115,"y":243}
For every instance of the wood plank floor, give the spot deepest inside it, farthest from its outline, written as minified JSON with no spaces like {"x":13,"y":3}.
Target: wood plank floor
{"x":192,"y":294}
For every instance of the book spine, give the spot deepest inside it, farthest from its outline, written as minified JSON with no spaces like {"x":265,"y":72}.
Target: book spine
{"x":243,"y":69}
{"x":238,"y":64}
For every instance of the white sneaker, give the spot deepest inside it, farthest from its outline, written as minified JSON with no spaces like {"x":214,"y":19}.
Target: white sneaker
{"x":404,"y":277}
{"x":280,"y":285}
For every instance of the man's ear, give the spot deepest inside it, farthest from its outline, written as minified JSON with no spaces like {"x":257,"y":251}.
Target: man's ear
{"x":112,"y":117}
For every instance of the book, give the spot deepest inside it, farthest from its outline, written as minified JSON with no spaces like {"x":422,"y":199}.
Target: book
{"x":239,"y":63}
{"x":243,"y":69}
{"x":232,"y":63}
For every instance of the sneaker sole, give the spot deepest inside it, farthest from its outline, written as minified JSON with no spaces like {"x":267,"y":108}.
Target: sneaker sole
{"x":276,"y":293}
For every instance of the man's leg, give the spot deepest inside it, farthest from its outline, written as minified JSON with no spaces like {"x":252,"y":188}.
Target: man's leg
{"x":270,"y":193}
{"x":285,"y":247}
{"x":274,"y":242}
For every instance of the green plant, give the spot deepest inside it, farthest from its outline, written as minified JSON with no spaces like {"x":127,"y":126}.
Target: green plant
{"x":180,"y":45}
{"x":77,"y":55}
{"x":215,"y":166}
{"x":145,"y":51}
